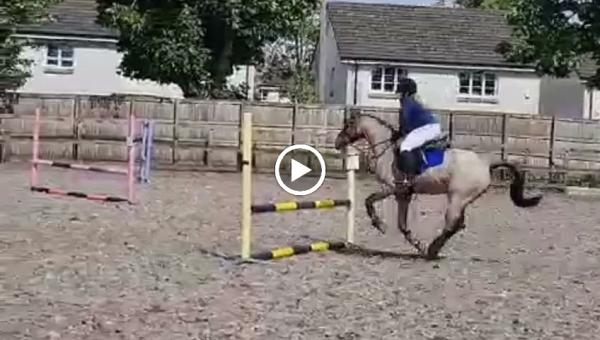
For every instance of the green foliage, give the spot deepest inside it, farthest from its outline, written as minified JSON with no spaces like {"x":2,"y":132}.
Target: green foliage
{"x":555,"y":35}
{"x":289,"y":59}
{"x":196,"y":43}
{"x":14,"y":70}
{"x":487,"y":4}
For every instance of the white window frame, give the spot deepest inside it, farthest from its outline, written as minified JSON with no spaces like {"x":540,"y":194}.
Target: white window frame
{"x":59,"y":58}
{"x":471,"y":97}
{"x":398,"y":72}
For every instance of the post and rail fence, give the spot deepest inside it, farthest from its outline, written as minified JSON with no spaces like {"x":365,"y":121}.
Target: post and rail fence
{"x":206,"y":135}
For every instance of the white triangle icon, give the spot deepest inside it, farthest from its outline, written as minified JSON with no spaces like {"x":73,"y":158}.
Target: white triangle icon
{"x":299,"y":170}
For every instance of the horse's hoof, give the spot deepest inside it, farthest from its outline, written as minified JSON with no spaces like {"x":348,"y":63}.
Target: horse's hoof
{"x":431,"y":254}
{"x":378,"y":226}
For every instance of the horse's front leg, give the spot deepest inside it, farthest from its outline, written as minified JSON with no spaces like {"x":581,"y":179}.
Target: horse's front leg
{"x":403,"y":202}
{"x":369,"y":205}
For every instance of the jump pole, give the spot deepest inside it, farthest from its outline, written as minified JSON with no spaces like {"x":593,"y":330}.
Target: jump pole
{"x":129,"y":171}
{"x":352,"y":164}
{"x":246,"y":184}
{"x":131,"y":159}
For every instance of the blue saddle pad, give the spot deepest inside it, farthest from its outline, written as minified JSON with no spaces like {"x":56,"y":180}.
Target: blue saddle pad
{"x":433,"y":158}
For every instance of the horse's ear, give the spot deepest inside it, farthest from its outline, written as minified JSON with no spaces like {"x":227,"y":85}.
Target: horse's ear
{"x":350,"y":115}
{"x":354,"y":113}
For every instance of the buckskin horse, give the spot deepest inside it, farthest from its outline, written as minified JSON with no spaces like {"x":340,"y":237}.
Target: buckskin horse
{"x":462,"y":175}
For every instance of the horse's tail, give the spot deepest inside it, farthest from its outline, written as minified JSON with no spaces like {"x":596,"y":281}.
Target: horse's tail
{"x":517,"y":186}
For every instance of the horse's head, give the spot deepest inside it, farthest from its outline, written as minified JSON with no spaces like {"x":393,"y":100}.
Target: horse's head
{"x":363,"y":126}
{"x":351,"y":132}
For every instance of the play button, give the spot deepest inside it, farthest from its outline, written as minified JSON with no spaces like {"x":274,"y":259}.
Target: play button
{"x":300,"y":170}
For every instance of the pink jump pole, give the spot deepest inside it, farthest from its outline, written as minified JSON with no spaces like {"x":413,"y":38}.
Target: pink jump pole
{"x":36,"y":149}
{"x":131,"y":159}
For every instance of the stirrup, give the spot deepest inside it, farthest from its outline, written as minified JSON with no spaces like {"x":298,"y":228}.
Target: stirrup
{"x":405,"y":183}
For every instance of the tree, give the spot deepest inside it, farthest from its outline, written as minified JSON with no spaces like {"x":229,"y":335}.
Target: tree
{"x":14,"y":70}
{"x":196,"y":43}
{"x":555,"y":35}
{"x":290,"y":58}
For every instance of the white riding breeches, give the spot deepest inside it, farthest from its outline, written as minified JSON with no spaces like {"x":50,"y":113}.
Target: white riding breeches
{"x":420,"y":136}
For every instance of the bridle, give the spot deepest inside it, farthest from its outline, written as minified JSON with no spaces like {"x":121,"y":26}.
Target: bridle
{"x":372,"y":146}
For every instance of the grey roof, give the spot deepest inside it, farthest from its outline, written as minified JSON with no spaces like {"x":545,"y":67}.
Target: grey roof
{"x":72,"y":18}
{"x":441,"y":35}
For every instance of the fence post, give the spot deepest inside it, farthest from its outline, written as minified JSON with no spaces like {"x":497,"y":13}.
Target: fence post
{"x":210,"y":142}
{"x":504,"y":145}
{"x":175,"y":131}
{"x":4,"y":144}
{"x":36,"y":149}
{"x":5,"y":148}
{"x":240,"y":136}
{"x":552,"y":141}
{"x":294,"y":115}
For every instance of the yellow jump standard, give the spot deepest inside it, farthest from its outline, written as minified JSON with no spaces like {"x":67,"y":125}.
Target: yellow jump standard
{"x":248,"y":209}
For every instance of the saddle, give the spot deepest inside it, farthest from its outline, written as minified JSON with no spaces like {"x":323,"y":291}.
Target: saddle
{"x":442,"y":142}
{"x":429,"y":154}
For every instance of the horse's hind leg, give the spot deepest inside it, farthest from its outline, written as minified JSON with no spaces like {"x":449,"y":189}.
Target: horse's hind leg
{"x":455,"y":221}
{"x":369,"y":205}
{"x":403,"y":205}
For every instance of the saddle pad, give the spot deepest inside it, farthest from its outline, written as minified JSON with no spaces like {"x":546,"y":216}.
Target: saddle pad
{"x":433,"y":158}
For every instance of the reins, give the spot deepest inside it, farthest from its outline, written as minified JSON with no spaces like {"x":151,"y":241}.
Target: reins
{"x":390,"y":140}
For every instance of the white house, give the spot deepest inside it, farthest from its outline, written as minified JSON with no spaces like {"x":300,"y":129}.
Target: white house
{"x":449,"y":52}
{"x":76,"y":55}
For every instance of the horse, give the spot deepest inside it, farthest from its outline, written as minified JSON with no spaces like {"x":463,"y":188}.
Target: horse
{"x":462,"y":175}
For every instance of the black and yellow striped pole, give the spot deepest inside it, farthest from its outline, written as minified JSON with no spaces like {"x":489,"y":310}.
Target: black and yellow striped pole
{"x":293,"y":206}
{"x":297,"y":250}
{"x":248,"y":209}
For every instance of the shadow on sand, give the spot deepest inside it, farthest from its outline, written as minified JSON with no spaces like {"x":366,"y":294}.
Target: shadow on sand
{"x":367,"y":252}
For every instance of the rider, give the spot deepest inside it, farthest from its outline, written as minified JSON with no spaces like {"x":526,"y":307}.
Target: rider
{"x":418,"y":125}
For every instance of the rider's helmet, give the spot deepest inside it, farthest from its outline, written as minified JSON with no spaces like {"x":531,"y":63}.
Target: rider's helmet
{"x":406,"y":87}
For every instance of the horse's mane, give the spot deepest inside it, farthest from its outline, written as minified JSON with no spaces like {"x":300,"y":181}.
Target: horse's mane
{"x":381,"y":121}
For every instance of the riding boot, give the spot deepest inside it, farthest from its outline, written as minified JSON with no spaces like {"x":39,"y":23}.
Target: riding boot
{"x":408,"y":166}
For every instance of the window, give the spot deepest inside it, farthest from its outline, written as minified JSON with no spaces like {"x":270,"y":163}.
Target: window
{"x":385,"y":79}
{"x":477,"y":86}
{"x":59,"y":57}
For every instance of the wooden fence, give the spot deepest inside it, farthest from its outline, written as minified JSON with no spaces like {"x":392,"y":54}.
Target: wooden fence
{"x":192,"y":134}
